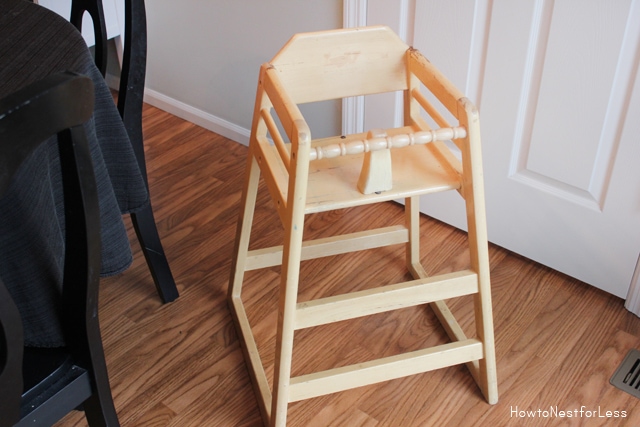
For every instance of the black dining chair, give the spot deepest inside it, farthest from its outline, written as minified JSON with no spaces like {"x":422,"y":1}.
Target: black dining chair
{"x":130,"y":101}
{"x":39,"y":386}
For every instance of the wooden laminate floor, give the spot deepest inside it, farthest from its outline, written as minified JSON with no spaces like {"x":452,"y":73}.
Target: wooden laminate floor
{"x":558,"y":340}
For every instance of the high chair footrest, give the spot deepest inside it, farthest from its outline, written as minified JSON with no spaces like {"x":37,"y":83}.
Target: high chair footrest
{"x":335,"y":245}
{"x":385,"y":298}
{"x":388,"y":368}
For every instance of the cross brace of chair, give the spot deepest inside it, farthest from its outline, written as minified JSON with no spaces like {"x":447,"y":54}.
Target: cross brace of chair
{"x":422,"y":290}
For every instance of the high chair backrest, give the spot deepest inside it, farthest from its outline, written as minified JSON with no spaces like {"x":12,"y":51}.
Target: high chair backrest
{"x":337,"y":64}
{"x":342,"y":63}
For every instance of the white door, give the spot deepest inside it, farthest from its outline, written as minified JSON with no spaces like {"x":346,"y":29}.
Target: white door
{"x":558,"y":89}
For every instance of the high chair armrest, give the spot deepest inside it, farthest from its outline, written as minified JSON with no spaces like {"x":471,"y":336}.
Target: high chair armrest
{"x":436,"y":82}
{"x":450,"y":97}
{"x":293,"y":123}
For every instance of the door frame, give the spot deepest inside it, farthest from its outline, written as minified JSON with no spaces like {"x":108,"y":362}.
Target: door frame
{"x":632,"y":302}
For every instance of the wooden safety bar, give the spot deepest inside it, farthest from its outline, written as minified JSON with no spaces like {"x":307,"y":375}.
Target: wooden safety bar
{"x":386,"y":142}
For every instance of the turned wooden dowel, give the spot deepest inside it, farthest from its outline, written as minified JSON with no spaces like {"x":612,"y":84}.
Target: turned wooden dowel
{"x":386,"y":142}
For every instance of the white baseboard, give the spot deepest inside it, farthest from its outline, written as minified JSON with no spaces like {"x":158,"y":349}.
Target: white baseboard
{"x":187,"y":112}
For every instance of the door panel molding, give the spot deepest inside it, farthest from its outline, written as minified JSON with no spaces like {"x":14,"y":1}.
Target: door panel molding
{"x":597,"y":170}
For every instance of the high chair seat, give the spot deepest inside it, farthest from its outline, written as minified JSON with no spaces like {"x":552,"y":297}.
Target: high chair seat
{"x":331,"y":185}
{"x":306,"y":176}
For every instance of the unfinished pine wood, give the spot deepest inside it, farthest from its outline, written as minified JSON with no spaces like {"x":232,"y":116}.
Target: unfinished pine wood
{"x":558,"y":341}
{"x":376,"y":174}
{"x":381,"y":141}
{"x":372,"y":59}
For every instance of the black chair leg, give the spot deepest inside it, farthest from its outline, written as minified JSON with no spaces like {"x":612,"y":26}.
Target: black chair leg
{"x":130,"y":101}
{"x":100,"y":412}
{"x":99,"y":409}
{"x":145,"y":227}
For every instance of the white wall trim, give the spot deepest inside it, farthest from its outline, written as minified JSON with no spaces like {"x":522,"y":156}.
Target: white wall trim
{"x":354,"y":15}
{"x":633,"y":297}
{"x":197,"y":116}
{"x":191,"y":114}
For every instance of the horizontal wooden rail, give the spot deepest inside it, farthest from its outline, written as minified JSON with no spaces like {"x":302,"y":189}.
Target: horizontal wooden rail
{"x":386,"y":142}
{"x":429,"y":108}
{"x":388,"y":368}
{"x":385,"y":298}
{"x":334,"y":245}
{"x":275,"y":135}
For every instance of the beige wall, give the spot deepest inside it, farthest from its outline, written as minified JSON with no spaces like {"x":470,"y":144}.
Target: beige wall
{"x":204,"y":57}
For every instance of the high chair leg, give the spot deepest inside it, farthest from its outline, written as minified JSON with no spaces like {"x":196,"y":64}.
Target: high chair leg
{"x":288,"y":298}
{"x":243,"y":235}
{"x":285,"y":331}
{"x":473,"y":193}
{"x":245,"y":222}
{"x":479,"y":253}
{"x":412,"y":222}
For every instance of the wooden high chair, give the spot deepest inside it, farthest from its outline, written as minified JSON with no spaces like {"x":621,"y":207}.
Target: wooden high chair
{"x":307,"y":176}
